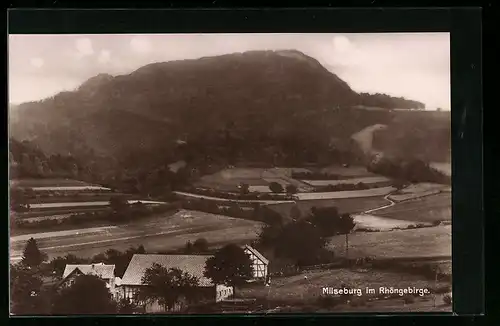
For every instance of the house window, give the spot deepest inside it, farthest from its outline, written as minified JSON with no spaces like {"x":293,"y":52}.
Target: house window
{"x":129,"y":293}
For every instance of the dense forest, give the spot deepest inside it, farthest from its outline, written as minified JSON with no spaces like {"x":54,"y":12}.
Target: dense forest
{"x":28,"y":161}
{"x":389,"y":102}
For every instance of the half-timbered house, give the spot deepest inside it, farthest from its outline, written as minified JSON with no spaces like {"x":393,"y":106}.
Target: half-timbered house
{"x":260,"y":264}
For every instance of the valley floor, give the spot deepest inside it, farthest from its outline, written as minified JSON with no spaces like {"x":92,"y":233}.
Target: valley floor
{"x":159,"y":233}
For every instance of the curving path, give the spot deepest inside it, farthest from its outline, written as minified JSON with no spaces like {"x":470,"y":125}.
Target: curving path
{"x":386,"y":197}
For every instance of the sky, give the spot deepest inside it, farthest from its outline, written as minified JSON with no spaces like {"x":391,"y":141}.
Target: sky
{"x":413,"y":65}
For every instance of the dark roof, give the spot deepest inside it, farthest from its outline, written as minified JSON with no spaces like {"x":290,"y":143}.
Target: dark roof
{"x":192,"y":264}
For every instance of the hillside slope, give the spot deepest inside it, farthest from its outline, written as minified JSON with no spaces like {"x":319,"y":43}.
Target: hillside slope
{"x":281,"y":107}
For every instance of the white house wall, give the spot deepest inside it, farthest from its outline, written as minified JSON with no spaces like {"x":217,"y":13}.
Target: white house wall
{"x":259,"y":268}
{"x":223,"y":292}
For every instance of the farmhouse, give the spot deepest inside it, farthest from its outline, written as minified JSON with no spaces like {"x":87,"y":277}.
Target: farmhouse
{"x":106,"y":272}
{"x":259,"y":263}
{"x":131,"y":282}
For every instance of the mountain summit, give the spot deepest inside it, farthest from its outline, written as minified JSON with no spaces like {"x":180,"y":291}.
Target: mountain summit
{"x":244,"y":105}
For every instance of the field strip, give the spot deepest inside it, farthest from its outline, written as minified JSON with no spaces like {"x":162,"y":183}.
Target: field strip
{"x":69,"y":188}
{"x":54,"y":234}
{"x":366,"y":180}
{"x":146,"y":202}
{"x":186,"y":194}
{"x":86,"y":204}
{"x":346,"y":194}
{"x":17,"y":257}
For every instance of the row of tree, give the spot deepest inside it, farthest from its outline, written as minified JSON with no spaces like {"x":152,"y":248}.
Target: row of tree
{"x":255,"y":212}
{"x":346,"y":187}
{"x":413,"y":170}
{"x":389,"y":102}
{"x":315,"y":176}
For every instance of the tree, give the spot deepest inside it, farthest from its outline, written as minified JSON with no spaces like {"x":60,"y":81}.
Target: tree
{"x":269,"y":235}
{"x":346,"y":225}
{"x":17,"y":199}
{"x":25,"y":292}
{"x":326,"y":219}
{"x":167,"y":286}
{"x":188,"y":248}
{"x":126,"y":307}
{"x":122,"y":260}
{"x":230,"y":266}
{"x":275,"y":187}
{"x":300,"y":241}
{"x":32,"y":256}
{"x":291,"y":189}
{"x":140,"y":250}
{"x":270,"y":217}
{"x":118,"y":258}
{"x":200,"y":245}
{"x":87,"y":295}
{"x":398,"y":184}
{"x":244,"y":188}
{"x":118,"y":203}
{"x":58,"y":264}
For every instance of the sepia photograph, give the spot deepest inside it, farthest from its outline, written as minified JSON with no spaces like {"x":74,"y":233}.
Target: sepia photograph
{"x":155,"y":174}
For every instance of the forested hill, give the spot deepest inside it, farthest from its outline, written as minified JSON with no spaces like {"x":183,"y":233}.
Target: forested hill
{"x":27,"y":161}
{"x":273,"y":107}
{"x":389,"y":102}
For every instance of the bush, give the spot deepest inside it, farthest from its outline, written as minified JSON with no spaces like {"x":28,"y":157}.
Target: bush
{"x":345,"y":187}
{"x":200,"y":245}
{"x":367,"y":230}
{"x":244,"y":188}
{"x":447,"y":299}
{"x":314,"y":176}
{"x":276,"y":187}
{"x":291,"y":189}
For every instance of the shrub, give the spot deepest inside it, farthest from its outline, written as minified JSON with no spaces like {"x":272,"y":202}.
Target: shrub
{"x":291,"y":189}
{"x":345,"y":187}
{"x":367,"y":230}
{"x":244,"y":188}
{"x":447,"y":299}
{"x":200,"y":245}
{"x":276,"y":187}
{"x":314,"y":176}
